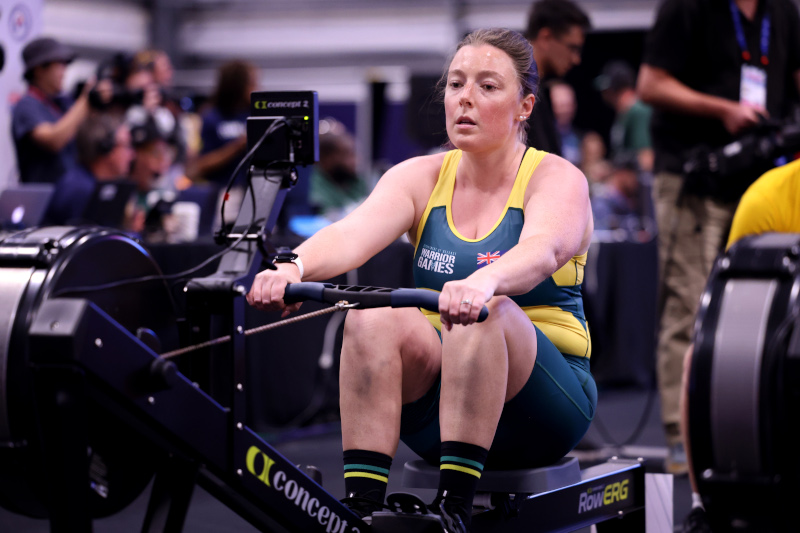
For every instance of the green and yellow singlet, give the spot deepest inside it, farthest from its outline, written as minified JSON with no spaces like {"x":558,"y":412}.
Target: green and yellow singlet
{"x":555,"y":306}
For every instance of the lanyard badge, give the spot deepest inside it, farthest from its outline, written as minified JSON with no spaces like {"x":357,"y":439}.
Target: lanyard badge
{"x":753,"y":79}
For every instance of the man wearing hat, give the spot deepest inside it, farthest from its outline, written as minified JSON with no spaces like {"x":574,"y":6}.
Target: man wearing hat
{"x":45,"y":121}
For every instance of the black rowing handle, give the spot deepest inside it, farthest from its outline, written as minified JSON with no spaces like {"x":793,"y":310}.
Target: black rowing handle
{"x":366,"y":297}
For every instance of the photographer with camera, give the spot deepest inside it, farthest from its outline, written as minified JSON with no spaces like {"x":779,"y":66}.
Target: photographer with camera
{"x":130,"y":84}
{"x":712,"y":70}
{"x":45,"y":121}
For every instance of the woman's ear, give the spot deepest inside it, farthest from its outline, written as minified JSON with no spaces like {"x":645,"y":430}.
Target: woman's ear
{"x":526,"y":106}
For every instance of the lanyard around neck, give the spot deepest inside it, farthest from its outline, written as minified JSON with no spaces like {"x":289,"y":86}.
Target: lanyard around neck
{"x":46,"y":100}
{"x":766,"y":25}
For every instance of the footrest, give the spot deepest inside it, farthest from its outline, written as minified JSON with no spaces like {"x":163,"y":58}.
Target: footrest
{"x":408,"y":513}
{"x":404,"y":502}
{"x":566,"y":471}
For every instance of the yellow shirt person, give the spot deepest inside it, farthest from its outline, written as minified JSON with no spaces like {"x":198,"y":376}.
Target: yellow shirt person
{"x":770,"y":204}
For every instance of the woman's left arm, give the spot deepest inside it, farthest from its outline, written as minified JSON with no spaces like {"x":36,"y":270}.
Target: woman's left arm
{"x":558,"y":226}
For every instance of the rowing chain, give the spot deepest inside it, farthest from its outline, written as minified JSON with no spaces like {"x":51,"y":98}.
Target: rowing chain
{"x":339,"y":306}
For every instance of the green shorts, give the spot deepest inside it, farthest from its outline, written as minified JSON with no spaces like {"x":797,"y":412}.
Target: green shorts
{"x":538,"y":426}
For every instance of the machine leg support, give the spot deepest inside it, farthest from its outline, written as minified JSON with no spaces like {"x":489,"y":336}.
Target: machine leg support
{"x":171,"y":495}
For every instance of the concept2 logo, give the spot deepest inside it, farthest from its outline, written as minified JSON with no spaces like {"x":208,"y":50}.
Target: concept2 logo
{"x":600,"y":495}
{"x":261,"y":466}
{"x":263,"y":105}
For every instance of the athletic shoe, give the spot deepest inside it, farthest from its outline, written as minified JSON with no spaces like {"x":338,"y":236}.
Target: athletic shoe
{"x":454,"y":511}
{"x":363,"y":505}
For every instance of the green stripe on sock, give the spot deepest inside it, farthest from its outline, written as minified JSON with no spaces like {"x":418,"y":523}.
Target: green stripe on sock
{"x":378,"y":469}
{"x":453,"y":459}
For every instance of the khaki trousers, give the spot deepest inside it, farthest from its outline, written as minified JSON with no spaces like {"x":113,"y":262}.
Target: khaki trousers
{"x":691,"y":233}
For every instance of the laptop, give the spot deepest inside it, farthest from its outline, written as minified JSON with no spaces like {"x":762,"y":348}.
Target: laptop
{"x":107,"y":205}
{"x":24,"y":206}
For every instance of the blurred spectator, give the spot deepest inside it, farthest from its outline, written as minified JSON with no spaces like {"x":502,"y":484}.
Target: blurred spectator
{"x":104,"y":155}
{"x":594,"y":164}
{"x":158,"y":63}
{"x":335,"y":186}
{"x":556,"y":30}
{"x":188,"y":124}
{"x":224,"y":130}
{"x":631,"y":129}
{"x":154,"y":139}
{"x":562,"y":96}
{"x":141,"y":81}
{"x":45,"y":121}
{"x":131,"y":84}
{"x":711,"y":70}
{"x":616,"y":205}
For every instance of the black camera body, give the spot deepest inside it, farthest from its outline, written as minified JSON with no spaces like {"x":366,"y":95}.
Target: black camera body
{"x":120,"y":96}
{"x":725,"y":173}
{"x":116,"y":69}
{"x":295,"y":143}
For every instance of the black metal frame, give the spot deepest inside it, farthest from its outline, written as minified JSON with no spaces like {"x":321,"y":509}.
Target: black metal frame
{"x":201,"y":437}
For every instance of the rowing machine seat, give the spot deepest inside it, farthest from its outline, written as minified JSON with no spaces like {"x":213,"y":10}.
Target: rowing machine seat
{"x":566,"y":471}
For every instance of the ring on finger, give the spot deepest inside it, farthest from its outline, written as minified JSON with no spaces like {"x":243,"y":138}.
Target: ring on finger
{"x":468,"y":302}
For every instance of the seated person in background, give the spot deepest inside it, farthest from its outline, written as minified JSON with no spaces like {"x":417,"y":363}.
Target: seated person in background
{"x":335,"y":188}
{"x":562,"y":98}
{"x":187,"y":123}
{"x":153,"y":135}
{"x":104,"y":155}
{"x":593,"y":160}
{"x":494,"y":222}
{"x":770,"y":205}
{"x":617,"y":203}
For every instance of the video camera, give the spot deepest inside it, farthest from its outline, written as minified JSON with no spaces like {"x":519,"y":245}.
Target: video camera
{"x":296,"y":141}
{"x":725,"y":173}
{"x":116,"y":69}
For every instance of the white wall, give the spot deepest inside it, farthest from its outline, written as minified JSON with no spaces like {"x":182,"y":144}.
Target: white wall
{"x":20,"y":21}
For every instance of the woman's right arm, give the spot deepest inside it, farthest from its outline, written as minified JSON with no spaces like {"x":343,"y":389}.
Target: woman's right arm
{"x":390,"y":210}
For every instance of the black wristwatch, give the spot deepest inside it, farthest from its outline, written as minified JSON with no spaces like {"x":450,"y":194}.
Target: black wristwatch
{"x":284,"y":257}
{"x":289,"y":257}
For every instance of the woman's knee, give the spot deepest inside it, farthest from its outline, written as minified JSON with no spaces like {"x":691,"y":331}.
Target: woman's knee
{"x":364,"y":330}
{"x":500,"y":307}
{"x":384,"y":331}
{"x":503,"y":312}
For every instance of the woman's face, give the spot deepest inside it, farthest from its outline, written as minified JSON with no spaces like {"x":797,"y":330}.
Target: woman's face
{"x":482,"y":100}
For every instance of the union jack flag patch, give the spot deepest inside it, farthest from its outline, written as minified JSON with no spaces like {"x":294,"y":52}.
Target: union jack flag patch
{"x":488,"y":258}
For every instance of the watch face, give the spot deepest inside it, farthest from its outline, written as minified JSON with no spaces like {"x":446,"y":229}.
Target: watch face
{"x":285,"y":258}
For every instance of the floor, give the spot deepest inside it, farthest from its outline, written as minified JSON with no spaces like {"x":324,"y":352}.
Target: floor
{"x":627,"y":424}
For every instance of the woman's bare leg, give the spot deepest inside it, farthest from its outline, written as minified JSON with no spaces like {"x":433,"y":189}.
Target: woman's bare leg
{"x":483,"y":366}
{"x":389,"y":357}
